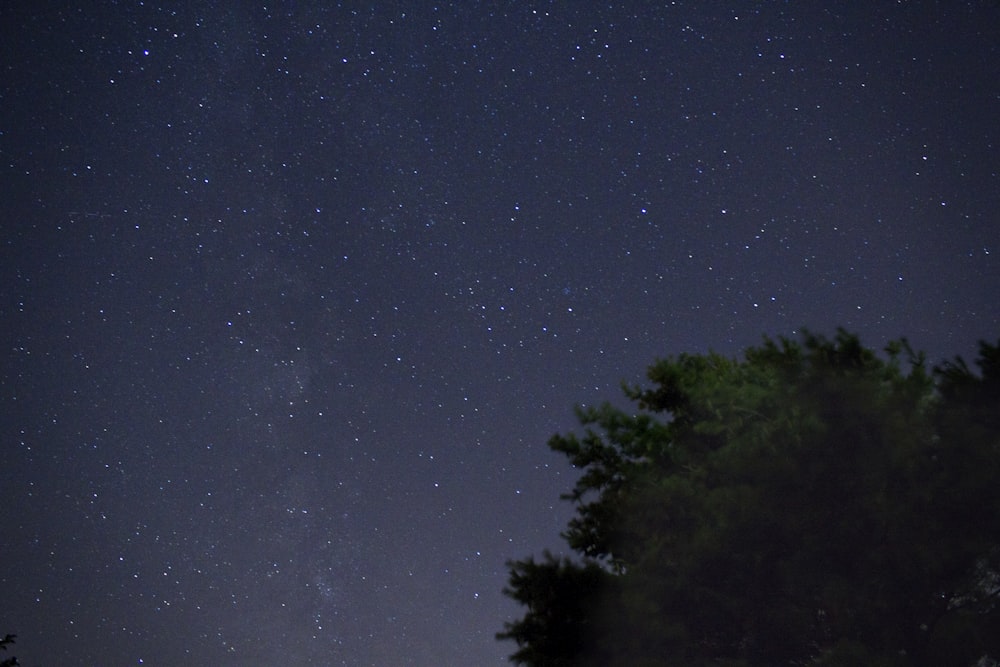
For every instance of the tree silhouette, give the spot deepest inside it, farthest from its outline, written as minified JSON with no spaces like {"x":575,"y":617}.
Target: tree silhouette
{"x":4,"y":643}
{"x":811,"y":503}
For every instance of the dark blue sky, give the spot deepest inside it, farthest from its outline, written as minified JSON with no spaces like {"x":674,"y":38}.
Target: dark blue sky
{"x":293,"y":297}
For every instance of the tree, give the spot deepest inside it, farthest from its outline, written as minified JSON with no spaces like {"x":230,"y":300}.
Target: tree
{"x":811,"y":503}
{"x":11,"y":661}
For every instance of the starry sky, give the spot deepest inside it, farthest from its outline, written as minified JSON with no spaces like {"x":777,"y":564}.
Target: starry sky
{"x":293,"y":295}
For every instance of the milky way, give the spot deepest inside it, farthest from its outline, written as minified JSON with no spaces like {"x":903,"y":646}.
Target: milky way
{"x":294,"y":296}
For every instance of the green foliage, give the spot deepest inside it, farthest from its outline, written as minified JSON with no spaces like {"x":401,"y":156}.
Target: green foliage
{"x":811,"y":503}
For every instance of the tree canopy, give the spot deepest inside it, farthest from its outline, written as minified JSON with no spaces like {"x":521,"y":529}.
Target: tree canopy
{"x":11,"y":661}
{"x":811,"y":503}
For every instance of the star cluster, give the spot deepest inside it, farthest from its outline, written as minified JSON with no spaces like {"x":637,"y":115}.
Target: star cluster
{"x":294,"y":294}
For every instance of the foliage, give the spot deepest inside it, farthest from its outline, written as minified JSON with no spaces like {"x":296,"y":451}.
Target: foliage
{"x":812,"y":503}
{"x":6,"y":641}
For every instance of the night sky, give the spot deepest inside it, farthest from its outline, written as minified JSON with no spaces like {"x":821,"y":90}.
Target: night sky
{"x":293,"y":296}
